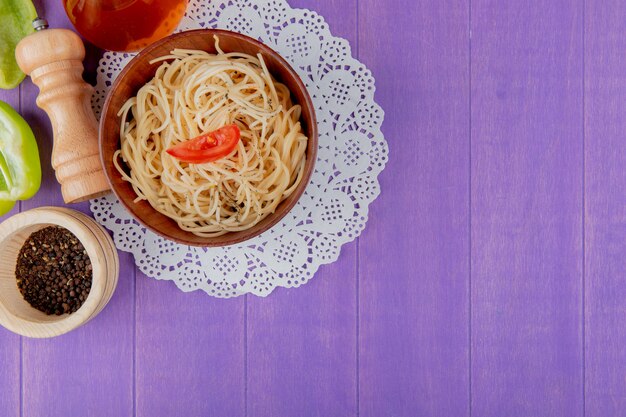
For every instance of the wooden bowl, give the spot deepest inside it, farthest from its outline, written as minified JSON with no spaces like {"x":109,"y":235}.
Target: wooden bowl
{"x":15,"y":313}
{"x":139,"y":71}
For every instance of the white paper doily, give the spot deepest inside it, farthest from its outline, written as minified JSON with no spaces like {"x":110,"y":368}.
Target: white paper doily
{"x":332,"y":211}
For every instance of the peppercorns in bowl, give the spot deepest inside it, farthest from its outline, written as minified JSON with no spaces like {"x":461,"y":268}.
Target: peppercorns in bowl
{"x":58,"y":269}
{"x":53,"y":271}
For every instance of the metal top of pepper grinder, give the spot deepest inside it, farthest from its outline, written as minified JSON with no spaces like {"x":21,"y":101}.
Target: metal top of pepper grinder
{"x":40,"y":23}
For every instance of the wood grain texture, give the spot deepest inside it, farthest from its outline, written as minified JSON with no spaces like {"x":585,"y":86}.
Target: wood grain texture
{"x":17,"y":314}
{"x":385,"y":331}
{"x":10,"y":381}
{"x":413,"y":260}
{"x":10,"y":344}
{"x":88,"y":371}
{"x":301,"y":345}
{"x":53,"y":58}
{"x":527,"y":208}
{"x":605,"y":208}
{"x":190,"y":352}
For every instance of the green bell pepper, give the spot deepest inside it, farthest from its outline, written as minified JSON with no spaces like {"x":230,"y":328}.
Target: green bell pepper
{"x":20,"y":169}
{"x":16,"y":17}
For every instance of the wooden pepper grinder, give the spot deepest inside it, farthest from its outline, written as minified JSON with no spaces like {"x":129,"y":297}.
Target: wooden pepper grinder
{"x":54,"y":60}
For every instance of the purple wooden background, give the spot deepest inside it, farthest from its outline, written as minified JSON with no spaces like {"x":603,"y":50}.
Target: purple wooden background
{"x":490,"y":280}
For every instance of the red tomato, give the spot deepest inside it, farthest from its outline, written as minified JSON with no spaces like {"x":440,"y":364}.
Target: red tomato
{"x":208,"y":147}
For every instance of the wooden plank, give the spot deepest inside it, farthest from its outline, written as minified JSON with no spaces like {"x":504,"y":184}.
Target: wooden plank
{"x":526,"y":108}
{"x":605,"y":208}
{"x":10,"y":344}
{"x":302,"y":346}
{"x":190,"y":352}
{"x":302,"y":342}
{"x":88,"y":371}
{"x":10,"y":379}
{"x":414,"y":253}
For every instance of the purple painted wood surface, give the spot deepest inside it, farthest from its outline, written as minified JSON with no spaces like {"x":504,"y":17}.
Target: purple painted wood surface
{"x":414,"y":265}
{"x":189,"y":352}
{"x":526,"y":272}
{"x":88,"y":371}
{"x":605,"y":208}
{"x":489,"y":281}
{"x":301,"y":345}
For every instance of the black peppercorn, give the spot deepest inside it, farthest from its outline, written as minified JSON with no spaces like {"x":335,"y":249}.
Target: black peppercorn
{"x":54,"y":271}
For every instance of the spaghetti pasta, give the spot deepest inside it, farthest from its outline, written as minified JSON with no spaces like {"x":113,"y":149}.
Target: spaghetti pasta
{"x":194,"y":92}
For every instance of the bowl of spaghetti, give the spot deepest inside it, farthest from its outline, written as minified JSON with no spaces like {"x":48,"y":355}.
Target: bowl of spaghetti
{"x":208,"y":137}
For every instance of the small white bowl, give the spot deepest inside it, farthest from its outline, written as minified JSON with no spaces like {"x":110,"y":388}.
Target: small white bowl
{"x":15,"y":313}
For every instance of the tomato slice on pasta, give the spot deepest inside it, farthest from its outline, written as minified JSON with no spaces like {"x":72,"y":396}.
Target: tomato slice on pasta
{"x":209,"y":147}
